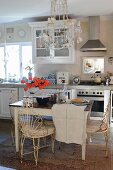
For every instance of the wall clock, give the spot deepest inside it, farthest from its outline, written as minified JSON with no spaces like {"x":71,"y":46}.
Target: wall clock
{"x":21,"y":33}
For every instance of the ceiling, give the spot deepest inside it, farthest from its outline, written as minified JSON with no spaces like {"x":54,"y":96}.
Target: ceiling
{"x":13,"y":10}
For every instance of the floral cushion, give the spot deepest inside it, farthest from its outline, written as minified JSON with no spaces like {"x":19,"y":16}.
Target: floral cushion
{"x":33,"y":132}
{"x":96,"y":126}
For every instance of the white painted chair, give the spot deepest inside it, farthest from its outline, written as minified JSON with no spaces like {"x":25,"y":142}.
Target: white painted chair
{"x":32,"y":127}
{"x":76,"y":126}
{"x":70,"y":123}
{"x":100,"y":126}
{"x":59,"y":112}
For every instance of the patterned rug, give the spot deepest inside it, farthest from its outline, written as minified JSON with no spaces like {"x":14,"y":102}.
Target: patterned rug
{"x":68,"y":157}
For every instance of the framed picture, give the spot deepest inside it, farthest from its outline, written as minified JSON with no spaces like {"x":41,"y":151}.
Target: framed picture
{"x":93,"y":64}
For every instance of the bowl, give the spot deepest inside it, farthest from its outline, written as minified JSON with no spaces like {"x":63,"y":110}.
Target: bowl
{"x":97,"y":80}
{"x":43,"y":101}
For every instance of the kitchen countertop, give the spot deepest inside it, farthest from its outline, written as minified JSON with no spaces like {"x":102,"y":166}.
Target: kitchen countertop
{"x":11,"y":85}
{"x":69,"y":86}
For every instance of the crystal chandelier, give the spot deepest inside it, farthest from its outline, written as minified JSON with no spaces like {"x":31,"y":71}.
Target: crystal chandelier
{"x":60,"y":29}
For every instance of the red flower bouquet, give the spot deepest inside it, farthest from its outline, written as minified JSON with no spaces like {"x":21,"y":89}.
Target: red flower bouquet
{"x":37,"y":82}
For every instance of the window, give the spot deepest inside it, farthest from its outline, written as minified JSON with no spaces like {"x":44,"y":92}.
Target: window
{"x":26,"y":58}
{"x":2,"y":63}
{"x":14,"y":58}
{"x":93,"y":64}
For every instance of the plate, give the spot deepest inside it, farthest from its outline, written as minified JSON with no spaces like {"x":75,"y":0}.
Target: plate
{"x":79,"y":100}
{"x":81,"y":104}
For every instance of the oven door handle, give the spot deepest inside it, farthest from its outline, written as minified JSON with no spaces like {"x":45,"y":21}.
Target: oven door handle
{"x":93,"y":98}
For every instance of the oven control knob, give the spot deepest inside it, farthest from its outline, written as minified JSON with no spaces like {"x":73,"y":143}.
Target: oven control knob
{"x":93,"y":92}
{"x":82,"y":92}
{"x":100,"y":92}
{"x":86,"y":92}
{"x":97,"y":92}
{"x":79,"y":92}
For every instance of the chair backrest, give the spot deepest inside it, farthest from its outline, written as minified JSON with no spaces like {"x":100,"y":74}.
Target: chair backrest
{"x":59,"y":112}
{"x":106,"y":117}
{"x":76,"y":124}
{"x":70,"y":123}
{"x":29,"y":120}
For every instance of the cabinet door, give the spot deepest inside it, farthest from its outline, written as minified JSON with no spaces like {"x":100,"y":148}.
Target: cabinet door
{"x":40,"y":47}
{"x":7,"y":96}
{"x":55,"y":54}
{"x":111,"y":105}
{"x":1,"y":103}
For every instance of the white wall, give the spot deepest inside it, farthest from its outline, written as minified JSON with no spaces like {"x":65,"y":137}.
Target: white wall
{"x":106,"y":36}
{"x":12,"y":35}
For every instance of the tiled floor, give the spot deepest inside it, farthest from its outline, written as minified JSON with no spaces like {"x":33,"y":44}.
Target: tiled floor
{"x":5,"y":132}
{"x":94,"y":152}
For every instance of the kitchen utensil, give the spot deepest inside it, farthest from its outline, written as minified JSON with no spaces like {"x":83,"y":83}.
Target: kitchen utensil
{"x":97,"y":80}
{"x":111,"y":80}
{"x":43,"y":100}
{"x":76,"y":80}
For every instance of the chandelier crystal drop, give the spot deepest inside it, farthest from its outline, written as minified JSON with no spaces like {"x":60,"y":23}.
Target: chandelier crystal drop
{"x":61,"y":31}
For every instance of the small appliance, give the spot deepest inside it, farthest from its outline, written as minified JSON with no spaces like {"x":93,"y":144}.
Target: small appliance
{"x":111,"y":80}
{"x":76,"y":80}
{"x":62,"y":77}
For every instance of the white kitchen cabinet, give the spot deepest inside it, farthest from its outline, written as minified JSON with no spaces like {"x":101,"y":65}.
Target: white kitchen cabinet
{"x":45,"y":55}
{"x":111,"y":105}
{"x":7,"y":96}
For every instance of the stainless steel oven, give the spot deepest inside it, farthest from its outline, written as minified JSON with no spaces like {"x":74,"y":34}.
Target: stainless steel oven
{"x":98,"y":97}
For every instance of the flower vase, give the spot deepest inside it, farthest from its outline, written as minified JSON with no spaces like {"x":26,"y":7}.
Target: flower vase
{"x":29,"y":76}
{"x":33,"y":90}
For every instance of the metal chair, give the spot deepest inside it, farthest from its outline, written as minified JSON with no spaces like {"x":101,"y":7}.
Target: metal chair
{"x":100,"y":126}
{"x":32,"y":127}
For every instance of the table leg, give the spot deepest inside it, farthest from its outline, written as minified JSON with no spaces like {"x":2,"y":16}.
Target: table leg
{"x":16,"y":129}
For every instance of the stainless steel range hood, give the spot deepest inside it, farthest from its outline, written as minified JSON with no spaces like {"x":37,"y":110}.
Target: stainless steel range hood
{"x":94,"y":43}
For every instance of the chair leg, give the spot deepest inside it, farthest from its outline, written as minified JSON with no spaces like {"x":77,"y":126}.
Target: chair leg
{"x":36,"y":150}
{"x":21,"y":147}
{"x":83,"y":151}
{"x":38,"y":147}
{"x":59,"y":145}
{"x":53,"y":142}
{"x":12,"y":136}
{"x":106,"y":141}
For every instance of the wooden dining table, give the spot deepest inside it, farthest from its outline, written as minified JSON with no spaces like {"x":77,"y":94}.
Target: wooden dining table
{"x":43,"y":111}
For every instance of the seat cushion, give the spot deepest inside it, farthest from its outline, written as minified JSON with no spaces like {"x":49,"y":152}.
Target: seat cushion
{"x":96,"y":126}
{"x":34,"y":132}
